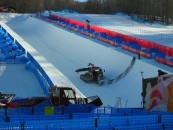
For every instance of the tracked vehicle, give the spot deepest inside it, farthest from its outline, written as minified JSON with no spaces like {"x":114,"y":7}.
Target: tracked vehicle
{"x":92,"y":74}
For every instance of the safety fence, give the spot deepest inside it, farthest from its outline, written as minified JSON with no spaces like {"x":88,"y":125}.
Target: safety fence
{"x":160,"y":53}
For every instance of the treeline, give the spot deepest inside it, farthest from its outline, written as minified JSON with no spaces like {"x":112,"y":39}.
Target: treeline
{"x":158,"y":8}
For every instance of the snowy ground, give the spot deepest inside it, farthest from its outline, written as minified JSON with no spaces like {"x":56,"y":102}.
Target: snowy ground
{"x":68,"y":51}
{"x":14,"y":79}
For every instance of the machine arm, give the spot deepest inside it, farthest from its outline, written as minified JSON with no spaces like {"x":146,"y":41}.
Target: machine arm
{"x":82,"y":69}
{"x":90,"y":64}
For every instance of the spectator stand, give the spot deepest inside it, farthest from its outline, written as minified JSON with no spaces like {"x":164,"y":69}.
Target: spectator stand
{"x":91,"y":33}
{"x":96,"y":118}
{"x":11,"y":52}
{"x":73,"y":27}
{"x":146,"y":48}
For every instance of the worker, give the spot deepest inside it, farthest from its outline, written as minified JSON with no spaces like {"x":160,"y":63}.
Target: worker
{"x":88,"y":24}
{"x":139,"y":55}
{"x":161,"y":73}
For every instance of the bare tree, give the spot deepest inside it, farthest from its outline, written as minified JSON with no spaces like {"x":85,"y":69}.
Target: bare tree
{"x":151,"y":9}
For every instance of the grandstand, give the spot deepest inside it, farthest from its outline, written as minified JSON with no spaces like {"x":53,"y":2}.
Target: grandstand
{"x":84,"y":117}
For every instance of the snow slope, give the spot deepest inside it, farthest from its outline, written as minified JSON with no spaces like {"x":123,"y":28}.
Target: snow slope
{"x":68,"y":51}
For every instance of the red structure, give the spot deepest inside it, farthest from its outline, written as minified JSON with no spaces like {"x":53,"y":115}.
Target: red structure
{"x":4,"y":8}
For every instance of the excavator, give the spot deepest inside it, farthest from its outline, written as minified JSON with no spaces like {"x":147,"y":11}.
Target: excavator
{"x":58,"y":96}
{"x":93,"y":74}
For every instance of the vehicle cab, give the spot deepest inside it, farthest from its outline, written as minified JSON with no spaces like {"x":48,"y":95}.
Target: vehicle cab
{"x":62,"y":96}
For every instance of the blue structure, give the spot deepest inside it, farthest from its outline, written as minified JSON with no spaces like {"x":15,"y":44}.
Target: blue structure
{"x":95,"y":118}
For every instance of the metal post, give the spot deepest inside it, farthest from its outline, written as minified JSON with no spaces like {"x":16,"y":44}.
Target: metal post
{"x":142,"y":74}
{"x":59,"y":95}
{"x":126,"y":103}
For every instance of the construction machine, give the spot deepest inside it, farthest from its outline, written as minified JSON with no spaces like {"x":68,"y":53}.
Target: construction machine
{"x":92,"y":74}
{"x":58,"y":96}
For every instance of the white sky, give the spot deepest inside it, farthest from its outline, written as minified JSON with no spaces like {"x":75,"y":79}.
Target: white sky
{"x":68,"y":51}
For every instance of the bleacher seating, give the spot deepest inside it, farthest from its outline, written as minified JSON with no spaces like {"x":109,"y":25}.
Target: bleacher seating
{"x":80,"y":28}
{"x":103,"y":35}
{"x":97,"y":118}
{"x":143,"y":119}
{"x":81,"y":124}
{"x":42,"y":125}
{"x":167,"y":119}
{"x":39,"y":108}
{"x":19,"y":111}
{"x":25,"y":118}
{"x":105,"y":109}
{"x":2,"y":115}
{"x":10,"y":51}
{"x":170,"y":59}
{"x":10,"y":126}
{"x":93,"y":115}
{"x":73,"y":27}
{"x":112,"y":122}
{"x":142,"y":127}
{"x":168,"y":126}
{"x":58,"y":110}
